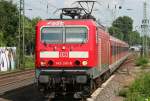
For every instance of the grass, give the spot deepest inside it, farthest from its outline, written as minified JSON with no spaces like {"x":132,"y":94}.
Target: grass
{"x":140,"y":89}
{"x":142,"y":61}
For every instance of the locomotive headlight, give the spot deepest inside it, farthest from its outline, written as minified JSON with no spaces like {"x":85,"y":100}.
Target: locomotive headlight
{"x":43,"y":63}
{"x":81,"y":79}
{"x":84,"y":63}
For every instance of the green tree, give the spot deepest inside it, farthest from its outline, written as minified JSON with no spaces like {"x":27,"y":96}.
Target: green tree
{"x":125,"y":24}
{"x":116,"y":32}
{"x":30,"y":34}
{"x":2,"y":43}
{"x":134,"y":38}
{"x":8,"y":21}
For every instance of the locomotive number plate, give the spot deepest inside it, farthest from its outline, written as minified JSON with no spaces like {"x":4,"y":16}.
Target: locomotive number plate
{"x":64,"y":63}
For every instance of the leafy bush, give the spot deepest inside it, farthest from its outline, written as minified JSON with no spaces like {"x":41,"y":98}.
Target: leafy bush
{"x":29,"y":62}
{"x":142,"y":61}
{"x":140,"y":89}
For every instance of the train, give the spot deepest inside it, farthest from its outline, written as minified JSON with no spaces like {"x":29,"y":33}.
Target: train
{"x":75,"y":56}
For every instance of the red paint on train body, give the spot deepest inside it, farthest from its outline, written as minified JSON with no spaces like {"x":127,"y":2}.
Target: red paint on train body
{"x":66,"y":53}
{"x":75,"y":53}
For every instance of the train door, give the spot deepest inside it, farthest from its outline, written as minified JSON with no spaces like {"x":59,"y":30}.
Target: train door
{"x":98,"y":42}
{"x":108,"y":52}
{"x":105,"y":51}
{"x":100,"y":54}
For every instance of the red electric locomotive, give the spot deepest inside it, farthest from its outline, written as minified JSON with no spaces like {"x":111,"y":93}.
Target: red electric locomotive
{"x":73,"y":55}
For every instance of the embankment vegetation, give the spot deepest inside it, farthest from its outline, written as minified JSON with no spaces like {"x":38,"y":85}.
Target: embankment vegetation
{"x":140,"y":89}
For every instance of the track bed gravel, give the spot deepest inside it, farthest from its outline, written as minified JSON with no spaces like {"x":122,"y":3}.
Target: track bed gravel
{"x":122,"y":78}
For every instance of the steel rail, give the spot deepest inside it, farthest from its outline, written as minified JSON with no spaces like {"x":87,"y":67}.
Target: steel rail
{"x":16,"y":80}
{"x":15,"y":73}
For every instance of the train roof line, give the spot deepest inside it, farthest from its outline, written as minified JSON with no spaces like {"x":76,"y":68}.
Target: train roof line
{"x":114,"y":38}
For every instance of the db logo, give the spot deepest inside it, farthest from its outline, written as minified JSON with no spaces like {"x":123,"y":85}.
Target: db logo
{"x":63,"y":54}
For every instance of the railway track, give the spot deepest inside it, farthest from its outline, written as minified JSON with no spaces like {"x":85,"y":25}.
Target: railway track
{"x":111,"y":87}
{"x":19,"y":79}
{"x":14,"y":80}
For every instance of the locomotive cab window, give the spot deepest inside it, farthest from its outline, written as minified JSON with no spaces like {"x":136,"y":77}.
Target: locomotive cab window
{"x":52,"y":35}
{"x":75,"y":34}
{"x":64,"y":34}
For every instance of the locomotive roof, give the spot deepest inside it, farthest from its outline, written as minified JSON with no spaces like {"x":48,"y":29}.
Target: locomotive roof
{"x":61,"y":22}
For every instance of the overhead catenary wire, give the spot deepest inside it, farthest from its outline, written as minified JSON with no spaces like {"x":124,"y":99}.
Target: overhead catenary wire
{"x":46,"y":6}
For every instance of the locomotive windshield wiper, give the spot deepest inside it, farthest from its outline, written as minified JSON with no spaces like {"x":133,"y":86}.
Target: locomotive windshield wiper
{"x":83,"y":41}
{"x":45,"y":44}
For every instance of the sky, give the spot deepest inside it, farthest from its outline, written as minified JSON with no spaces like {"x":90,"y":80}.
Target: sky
{"x":46,"y":9}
